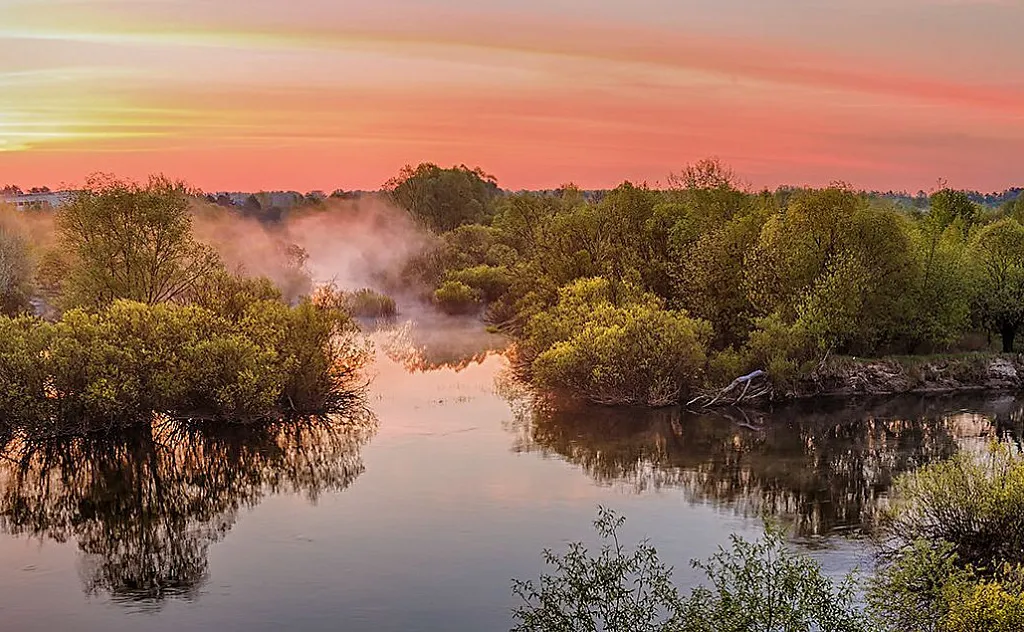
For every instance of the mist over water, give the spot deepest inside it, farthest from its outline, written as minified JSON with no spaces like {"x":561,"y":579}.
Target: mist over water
{"x":351,"y":243}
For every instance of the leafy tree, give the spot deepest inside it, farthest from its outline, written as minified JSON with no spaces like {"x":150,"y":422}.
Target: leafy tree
{"x":708,"y":278}
{"x":948,"y":207}
{"x":15,"y":272}
{"x":998,"y":252}
{"x":842,"y":266}
{"x":444,"y":199}
{"x":133,"y":242}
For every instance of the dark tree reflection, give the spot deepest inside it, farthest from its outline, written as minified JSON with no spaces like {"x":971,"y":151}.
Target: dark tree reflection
{"x":824,"y":469}
{"x":145,"y":506}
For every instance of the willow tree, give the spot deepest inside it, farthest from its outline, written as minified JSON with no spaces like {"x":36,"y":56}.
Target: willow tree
{"x":132,"y":241}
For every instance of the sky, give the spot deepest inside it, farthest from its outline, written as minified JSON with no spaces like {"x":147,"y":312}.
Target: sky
{"x":325,"y":94}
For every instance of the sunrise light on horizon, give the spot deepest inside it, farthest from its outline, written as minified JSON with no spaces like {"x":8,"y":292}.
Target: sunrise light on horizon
{"x":315,"y":94}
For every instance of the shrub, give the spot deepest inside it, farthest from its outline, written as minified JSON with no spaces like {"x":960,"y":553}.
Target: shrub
{"x":645,"y":356}
{"x":911,"y":592}
{"x":617,"y":346}
{"x":94,"y":371}
{"x":15,"y":273}
{"x":986,"y":606}
{"x":975,"y":502}
{"x":229,"y":295}
{"x":952,"y":546}
{"x":781,"y":350}
{"x":367,"y":303}
{"x":317,"y":352}
{"x":454,"y":298}
{"x":753,"y":586}
{"x":489,"y":282}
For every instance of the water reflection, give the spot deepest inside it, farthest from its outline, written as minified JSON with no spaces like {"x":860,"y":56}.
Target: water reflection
{"x":145,"y":506}
{"x":432,"y":344}
{"x":824,"y":469}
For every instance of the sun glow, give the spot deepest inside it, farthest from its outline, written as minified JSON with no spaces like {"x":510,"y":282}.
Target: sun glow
{"x":536,"y":94}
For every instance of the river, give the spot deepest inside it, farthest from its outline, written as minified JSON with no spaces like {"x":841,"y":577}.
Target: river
{"x":416,"y":517}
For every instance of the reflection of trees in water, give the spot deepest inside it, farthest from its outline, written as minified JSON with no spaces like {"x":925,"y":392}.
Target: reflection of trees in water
{"x":145,"y":506}
{"x":824,"y":469}
{"x":454,"y":344}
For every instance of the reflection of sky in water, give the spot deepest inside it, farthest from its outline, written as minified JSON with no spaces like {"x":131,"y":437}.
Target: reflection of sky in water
{"x":462,"y":490}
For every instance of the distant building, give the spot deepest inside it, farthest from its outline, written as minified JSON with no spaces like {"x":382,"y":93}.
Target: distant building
{"x":37,"y":201}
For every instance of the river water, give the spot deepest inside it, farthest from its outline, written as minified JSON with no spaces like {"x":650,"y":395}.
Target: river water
{"x":416,"y":518}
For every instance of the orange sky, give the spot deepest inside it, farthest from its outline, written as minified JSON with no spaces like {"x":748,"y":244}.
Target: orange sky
{"x":321,"y":94}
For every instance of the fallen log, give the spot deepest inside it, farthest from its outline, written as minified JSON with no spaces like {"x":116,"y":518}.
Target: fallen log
{"x":707,"y":400}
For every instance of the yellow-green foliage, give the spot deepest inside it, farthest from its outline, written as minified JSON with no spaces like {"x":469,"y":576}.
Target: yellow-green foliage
{"x":987,"y":606}
{"x":489,"y":282}
{"x":782,"y":350}
{"x":15,"y":272}
{"x":617,"y":346}
{"x":116,"y":366}
{"x":974,"y":502}
{"x":131,"y":241}
{"x":455,"y":297}
{"x":367,"y":303}
{"x":954,"y":544}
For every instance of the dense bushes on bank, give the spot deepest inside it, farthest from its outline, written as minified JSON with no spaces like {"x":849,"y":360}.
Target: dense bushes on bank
{"x":757,"y":586}
{"x":616,"y":345}
{"x":781,"y":279}
{"x":953,"y":546}
{"x":91,"y":370}
{"x":950,"y":560}
{"x":152,"y":322}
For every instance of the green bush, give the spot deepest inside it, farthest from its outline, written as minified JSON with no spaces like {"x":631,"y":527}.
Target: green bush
{"x":783,"y":351}
{"x":15,"y":273}
{"x":632,"y":353}
{"x":986,"y":606}
{"x":366,"y":303}
{"x":229,"y":295}
{"x":910,"y":591}
{"x":489,"y":282}
{"x":119,"y":365}
{"x":974,"y":502}
{"x":454,"y":298}
{"x":751,"y":587}
{"x":952,"y":546}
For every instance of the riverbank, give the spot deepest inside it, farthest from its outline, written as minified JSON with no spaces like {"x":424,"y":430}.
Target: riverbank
{"x":896,"y":375}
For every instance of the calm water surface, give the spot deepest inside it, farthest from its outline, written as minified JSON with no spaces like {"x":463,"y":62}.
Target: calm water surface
{"x":418,"y":519}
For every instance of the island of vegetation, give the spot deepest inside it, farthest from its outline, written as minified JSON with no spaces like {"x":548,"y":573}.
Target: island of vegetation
{"x":144,"y":319}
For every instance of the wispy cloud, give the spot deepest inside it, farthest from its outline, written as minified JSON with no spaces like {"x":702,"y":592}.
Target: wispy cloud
{"x":634,"y":93}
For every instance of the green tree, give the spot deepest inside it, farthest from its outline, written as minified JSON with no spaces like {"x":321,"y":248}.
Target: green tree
{"x":838,"y":263}
{"x":132,"y":241}
{"x":15,"y":272}
{"x":948,"y":206}
{"x":444,"y":199}
{"x":998,"y":253}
